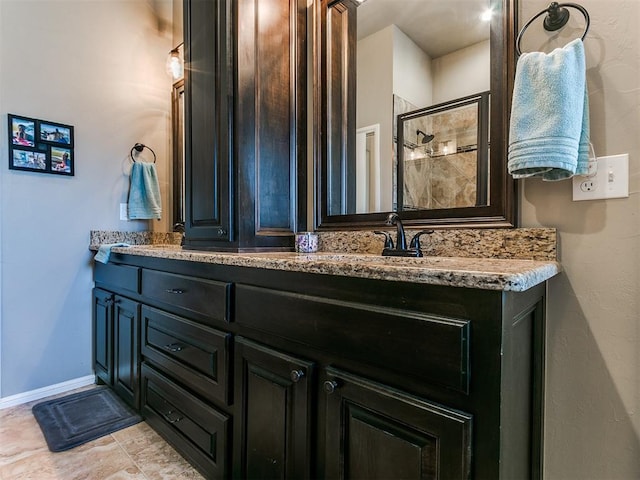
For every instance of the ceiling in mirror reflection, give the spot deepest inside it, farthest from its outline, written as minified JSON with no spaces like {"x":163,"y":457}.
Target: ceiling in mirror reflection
{"x":437,"y":27}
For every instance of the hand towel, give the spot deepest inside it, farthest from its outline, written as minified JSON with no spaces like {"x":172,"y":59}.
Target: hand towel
{"x":144,"y":192}
{"x":104,"y":251}
{"x":549,"y":129}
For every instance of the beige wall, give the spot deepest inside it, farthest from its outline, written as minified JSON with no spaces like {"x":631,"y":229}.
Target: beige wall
{"x":374,"y":104}
{"x":593,"y":351}
{"x":412,"y":79}
{"x":461,"y":73}
{"x":99,"y":66}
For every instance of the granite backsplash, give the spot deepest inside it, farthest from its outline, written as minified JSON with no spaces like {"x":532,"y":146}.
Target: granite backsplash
{"x":517,"y":243}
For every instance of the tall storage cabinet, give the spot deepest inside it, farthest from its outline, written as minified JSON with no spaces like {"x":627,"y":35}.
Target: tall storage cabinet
{"x":245,"y":98}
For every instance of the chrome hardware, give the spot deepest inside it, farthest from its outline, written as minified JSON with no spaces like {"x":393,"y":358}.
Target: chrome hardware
{"x":173,"y":347}
{"x":330,"y":386}
{"x":296,"y":375}
{"x":167,"y":417}
{"x":175,"y":291}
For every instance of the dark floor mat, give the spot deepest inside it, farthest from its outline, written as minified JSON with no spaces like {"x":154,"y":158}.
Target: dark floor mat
{"x":81,"y":417}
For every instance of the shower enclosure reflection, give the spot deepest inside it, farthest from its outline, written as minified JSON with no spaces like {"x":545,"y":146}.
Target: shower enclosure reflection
{"x":447,"y":168}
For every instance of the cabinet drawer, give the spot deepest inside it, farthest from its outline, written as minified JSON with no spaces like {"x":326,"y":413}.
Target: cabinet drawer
{"x":197,"y":430}
{"x":434,"y":349}
{"x":197,"y":355}
{"x":118,"y":277}
{"x":198,"y":295}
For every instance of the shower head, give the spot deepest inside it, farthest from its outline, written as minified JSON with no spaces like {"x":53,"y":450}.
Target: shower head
{"x":426,"y":138}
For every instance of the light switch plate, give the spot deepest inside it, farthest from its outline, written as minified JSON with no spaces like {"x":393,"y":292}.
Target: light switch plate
{"x":611,"y":180}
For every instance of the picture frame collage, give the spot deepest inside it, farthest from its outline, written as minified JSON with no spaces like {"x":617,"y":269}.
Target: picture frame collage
{"x":40,"y":146}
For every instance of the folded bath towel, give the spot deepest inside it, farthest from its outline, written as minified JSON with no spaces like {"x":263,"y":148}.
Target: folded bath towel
{"x":104,"y":251}
{"x":144,"y":192}
{"x":549,"y":130}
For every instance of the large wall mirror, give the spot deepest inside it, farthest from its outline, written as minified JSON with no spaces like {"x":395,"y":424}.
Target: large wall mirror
{"x":412,"y":110}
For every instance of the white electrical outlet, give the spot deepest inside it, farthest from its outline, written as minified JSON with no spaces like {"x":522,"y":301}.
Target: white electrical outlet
{"x":124,"y":214}
{"x":610,"y":180}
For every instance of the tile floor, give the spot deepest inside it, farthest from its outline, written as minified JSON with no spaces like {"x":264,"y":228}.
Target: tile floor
{"x":134,"y":453}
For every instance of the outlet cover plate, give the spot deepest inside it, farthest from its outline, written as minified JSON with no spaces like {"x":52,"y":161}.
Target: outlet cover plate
{"x":124,"y":213}
{"x":611,"y":180}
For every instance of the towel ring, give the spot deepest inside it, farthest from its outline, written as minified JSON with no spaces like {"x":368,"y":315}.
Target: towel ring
{"x":138,"y":147}
{"x":557,"y":17}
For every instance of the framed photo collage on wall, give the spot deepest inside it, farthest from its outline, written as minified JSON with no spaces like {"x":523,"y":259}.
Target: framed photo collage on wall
{"x":40,"y":146}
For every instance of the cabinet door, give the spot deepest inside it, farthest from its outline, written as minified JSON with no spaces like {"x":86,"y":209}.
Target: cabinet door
{"x":274,"y":392}
{"x":208,"y":122}
{"x":271,"y":121}
{"x":126,"y":350}
{"x":102,"y":335}
{"x":376,"y":432}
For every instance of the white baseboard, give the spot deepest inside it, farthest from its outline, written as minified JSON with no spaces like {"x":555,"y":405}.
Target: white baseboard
{"x":25,"y":397}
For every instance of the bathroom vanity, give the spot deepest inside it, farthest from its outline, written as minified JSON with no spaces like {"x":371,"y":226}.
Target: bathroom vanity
{"x":278,"y":365}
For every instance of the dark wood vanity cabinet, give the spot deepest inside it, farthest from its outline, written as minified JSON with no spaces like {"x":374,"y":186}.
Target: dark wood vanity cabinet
{"x":126,"y":350}
{"x":245,"y":143}
{"x":275,"y":401}
{"x":116,"y":325}
{"x":291,"y":375}
{"x":103,"y":335}
{"x":117,"y":344}
{"x":375,"y":431}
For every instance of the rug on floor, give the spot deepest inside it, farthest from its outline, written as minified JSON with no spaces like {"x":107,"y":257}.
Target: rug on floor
{"x":78,"y":418}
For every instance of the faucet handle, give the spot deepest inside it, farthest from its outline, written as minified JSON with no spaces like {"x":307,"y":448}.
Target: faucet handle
{"x":415,"y":241}
{"x":388,"y":241}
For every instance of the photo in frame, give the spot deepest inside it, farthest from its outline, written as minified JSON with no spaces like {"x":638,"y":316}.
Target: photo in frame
{"x":55,"y":133}
{"x":22,"y":131}
{"x":40,"y":146}
{"x":29,"y":160}
{"x":61,"y":160}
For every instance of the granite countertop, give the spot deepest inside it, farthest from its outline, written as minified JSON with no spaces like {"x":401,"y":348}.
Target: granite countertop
{"x":484,"y":273}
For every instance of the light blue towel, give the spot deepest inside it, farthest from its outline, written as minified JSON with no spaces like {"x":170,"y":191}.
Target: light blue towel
{"x":104,"y":251}
{"x":549,"y":130}
{"x":144,"y":192}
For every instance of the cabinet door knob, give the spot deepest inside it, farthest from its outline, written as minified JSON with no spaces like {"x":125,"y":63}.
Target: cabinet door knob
{"x":296,"y":375}
{"x":330,"y":386}
{"x":222,"y":231}
{"x":175,"y":291}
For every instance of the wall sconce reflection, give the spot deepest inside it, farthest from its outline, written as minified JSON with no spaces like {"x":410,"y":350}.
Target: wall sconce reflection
{"x":175,"y":63}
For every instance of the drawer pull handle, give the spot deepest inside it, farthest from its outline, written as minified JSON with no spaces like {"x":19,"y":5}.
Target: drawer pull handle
{"x":175,"y":291}
{"x":296,"y":375}
{"x":330,"y":386}
{"x":173,"y":347}
{"x":167,"y":417}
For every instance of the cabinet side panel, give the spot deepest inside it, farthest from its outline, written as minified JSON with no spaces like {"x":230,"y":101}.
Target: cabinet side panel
{"x":522,"y":394}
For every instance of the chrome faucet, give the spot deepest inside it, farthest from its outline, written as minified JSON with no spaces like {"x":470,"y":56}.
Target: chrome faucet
{"x":400,"y":249}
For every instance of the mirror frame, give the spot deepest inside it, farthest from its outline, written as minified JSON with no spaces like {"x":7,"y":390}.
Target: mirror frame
{"x":334,"y":79}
